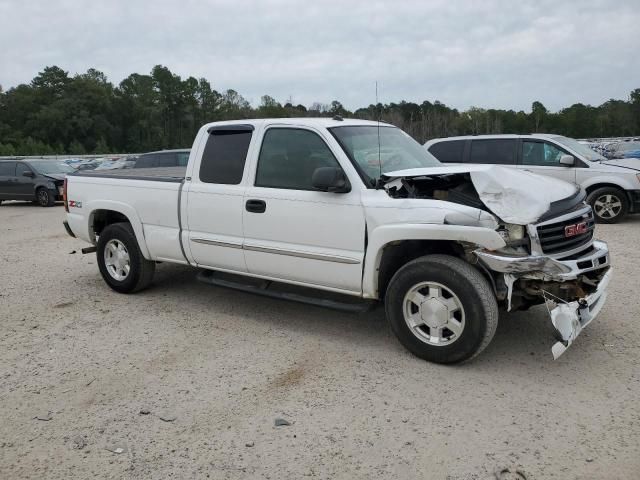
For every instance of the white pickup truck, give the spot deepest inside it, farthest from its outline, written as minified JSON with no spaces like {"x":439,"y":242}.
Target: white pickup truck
{"x":348,"y":213}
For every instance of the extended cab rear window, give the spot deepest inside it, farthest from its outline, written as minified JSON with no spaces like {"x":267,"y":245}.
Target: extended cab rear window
{"x":224,"y":156}
{"x":448,"y":151}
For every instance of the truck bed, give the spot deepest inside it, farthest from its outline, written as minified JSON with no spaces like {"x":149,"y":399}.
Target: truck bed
{"x":148,"y":197}
{"x":158,"y":174}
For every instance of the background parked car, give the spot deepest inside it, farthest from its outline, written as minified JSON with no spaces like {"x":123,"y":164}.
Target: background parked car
{"x":613,"y":186}
{"x":624,"y":150}
{"x":163,"y":158}
{"x":83,"y":163}
{"x":117,"y":163}
{"x":33,"y":180}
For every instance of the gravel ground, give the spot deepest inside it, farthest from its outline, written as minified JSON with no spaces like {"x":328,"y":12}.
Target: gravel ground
{"x":214,"y":368}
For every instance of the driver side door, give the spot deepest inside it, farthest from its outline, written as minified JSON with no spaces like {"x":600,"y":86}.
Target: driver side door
{"x":294,"y":232}
{"x":24,"y":186}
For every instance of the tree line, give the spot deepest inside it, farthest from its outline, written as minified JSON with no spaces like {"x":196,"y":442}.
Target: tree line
{"x":85,"y":113}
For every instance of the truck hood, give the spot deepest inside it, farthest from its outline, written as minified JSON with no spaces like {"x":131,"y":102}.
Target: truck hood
{"x":513,"y":195}
{"x":630,"y":163}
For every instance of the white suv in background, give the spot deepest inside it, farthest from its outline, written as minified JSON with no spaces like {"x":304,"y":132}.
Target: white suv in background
{"x":612,"y":186}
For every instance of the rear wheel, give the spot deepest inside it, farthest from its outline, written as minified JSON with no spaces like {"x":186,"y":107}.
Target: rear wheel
{"x":441,"y":309}
{"x":45,"y":198}
{"x":121,"y":263}
{"x":609,"y":204}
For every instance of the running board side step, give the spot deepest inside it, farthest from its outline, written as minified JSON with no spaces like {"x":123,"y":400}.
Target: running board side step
{"x":267,"y":288}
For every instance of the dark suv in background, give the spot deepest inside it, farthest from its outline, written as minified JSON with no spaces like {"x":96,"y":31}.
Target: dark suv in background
{"x":38,"y":181}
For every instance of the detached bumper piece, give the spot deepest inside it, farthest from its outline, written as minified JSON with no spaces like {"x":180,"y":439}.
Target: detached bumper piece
{"x":590,"y":269}
{"x":570,"y":319}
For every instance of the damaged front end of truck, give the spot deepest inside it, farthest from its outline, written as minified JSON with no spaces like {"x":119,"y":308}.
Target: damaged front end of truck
{"x":550,"y":255}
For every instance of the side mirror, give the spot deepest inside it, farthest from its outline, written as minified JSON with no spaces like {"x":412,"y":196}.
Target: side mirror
{"x":330,"y":179}
{"x":28,"y":173}
{"x":567,"y":160}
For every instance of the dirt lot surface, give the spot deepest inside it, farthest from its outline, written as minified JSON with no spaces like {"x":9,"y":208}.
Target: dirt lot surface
{"x":80,"y":366}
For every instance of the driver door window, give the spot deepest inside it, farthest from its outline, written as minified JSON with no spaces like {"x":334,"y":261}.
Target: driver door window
{"x":543,"y":158}
{"x":541,"y":153}
{"x":289,"y":157}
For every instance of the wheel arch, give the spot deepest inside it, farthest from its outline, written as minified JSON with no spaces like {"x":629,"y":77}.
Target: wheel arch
{"x":38,"y":185}
{"x":596,"y":186}
{"x":392,"y":246}
{"x":107,"y":213}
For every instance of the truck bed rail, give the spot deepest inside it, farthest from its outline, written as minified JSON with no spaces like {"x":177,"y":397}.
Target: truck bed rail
{"x":158,"y":174}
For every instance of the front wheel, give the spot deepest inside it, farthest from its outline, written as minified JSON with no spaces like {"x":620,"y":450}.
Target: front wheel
{"x":609,"y":204}
{"x":441,"y":309}
{"x":122,"y":265}
{"x":45,"y":198}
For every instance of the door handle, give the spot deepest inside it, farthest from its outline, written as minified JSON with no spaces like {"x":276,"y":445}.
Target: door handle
{"x":256,"y":206}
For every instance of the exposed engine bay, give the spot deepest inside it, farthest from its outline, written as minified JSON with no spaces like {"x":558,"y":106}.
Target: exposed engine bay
{"x":456,"y":188}
{"x":514,"y":196}
{"x":527,"y":292}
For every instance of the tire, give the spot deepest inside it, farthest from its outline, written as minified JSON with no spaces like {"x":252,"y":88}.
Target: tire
{"x":117,"y":249}
{"x":609,"y":204}
{"x":44,"y":197}
{"x":465,"y":292}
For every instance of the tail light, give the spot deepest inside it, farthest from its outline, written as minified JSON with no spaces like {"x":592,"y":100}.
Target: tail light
{"x":64,"y":195}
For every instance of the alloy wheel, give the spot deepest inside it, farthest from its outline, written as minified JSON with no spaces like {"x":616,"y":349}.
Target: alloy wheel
{"x":434,"y":313}
{"x":117,"y":260}
{"x":607,"y":206}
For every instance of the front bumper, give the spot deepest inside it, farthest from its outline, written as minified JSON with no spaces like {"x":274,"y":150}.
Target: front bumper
{"x":568,"y":318}
{"x":546,"y":267}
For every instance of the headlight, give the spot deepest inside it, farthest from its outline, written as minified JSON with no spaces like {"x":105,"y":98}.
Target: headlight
{"x":516,"y":232}
{"x":511,"y":232}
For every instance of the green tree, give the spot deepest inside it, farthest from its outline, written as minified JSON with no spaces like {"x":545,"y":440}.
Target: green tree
{"x":538,"y":115}
{"x":59,"y":113}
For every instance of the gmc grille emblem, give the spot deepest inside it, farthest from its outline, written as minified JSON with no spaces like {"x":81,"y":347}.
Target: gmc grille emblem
{"x":577,"y":229}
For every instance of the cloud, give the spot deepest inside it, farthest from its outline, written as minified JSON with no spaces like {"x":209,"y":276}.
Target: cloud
{"x":500,"y":54}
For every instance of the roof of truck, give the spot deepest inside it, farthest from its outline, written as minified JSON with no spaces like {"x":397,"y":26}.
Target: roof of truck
{"x":174,"y":150}
{"x":325,"y":122}
{"x":496,"y":136}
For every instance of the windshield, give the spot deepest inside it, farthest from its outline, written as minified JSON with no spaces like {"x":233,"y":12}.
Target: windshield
{"x":579,"y":148}
{"x":392,"y":150}
{"x":48,"y":167}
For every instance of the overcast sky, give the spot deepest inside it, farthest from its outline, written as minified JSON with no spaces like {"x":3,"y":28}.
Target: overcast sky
{"x":489,"y":53}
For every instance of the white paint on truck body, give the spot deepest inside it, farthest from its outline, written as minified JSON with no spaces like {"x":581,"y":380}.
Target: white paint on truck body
{"x":328,"y":241}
